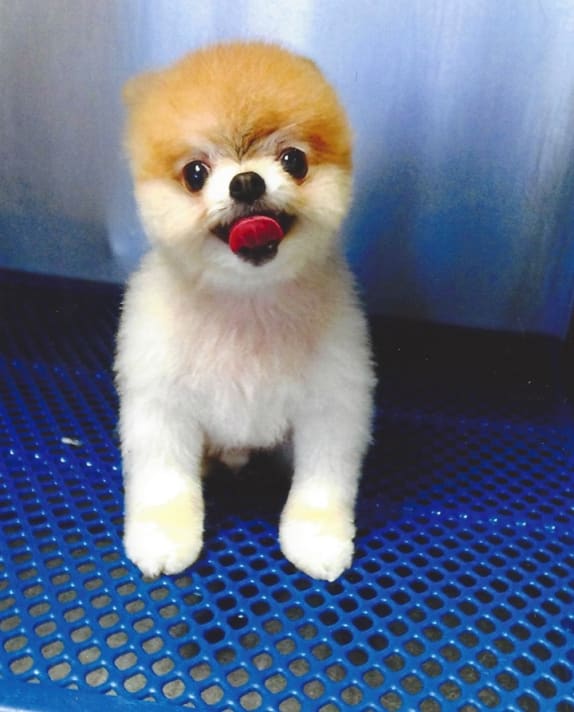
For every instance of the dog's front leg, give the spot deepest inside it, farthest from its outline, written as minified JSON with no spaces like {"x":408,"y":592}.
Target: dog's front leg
{"x":162,"y":458}
{"x":330,"y":438}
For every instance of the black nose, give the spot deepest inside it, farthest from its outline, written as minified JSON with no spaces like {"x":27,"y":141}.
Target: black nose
{"x":247,"y":187}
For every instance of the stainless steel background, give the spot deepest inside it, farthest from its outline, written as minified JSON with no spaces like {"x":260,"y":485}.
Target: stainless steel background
{"x":464,"y":119}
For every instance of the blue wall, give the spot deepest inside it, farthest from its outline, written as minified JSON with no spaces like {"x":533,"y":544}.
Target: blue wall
{"x":463,"y":113}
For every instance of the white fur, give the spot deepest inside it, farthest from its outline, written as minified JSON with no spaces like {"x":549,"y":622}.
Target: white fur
{"x":219,"y":357}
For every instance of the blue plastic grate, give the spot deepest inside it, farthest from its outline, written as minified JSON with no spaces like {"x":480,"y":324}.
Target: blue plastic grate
{"x":461,"y":596}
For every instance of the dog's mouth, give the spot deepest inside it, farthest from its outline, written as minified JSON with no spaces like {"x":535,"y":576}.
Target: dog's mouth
{"x":255,"y":238}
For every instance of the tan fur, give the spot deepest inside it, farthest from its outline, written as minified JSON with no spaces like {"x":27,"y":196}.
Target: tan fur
{"x":211,"y":93}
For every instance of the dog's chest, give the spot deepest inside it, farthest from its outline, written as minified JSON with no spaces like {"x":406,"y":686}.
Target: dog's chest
{"x":242,"y":414}
{"x":244,"y":370}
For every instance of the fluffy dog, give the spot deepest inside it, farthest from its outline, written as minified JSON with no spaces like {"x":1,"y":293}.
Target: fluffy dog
{"x":241,"y":330}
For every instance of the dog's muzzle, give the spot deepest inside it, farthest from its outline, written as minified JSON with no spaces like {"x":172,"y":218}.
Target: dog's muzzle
{"x":256,"y":238}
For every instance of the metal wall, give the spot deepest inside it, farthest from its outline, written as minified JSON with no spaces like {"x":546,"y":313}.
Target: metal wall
{"x":463,"y":112}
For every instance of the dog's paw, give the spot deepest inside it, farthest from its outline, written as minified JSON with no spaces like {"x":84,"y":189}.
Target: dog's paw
{"x":164,"y":539}
{"x":319,"y":542}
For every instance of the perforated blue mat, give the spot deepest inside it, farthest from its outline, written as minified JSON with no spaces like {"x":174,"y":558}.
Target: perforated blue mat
{"x":461,"y":596}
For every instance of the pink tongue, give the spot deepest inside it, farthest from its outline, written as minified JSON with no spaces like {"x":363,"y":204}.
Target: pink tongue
{"x":254,"y":231}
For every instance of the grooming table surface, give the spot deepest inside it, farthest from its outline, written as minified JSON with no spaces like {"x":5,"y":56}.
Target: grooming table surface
{"x":461,"y":595}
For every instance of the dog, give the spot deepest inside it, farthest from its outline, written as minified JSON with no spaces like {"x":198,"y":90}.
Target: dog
{"x":241,"y":330}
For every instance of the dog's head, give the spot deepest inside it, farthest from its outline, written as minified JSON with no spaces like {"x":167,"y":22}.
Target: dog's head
{"x":241,"y":157}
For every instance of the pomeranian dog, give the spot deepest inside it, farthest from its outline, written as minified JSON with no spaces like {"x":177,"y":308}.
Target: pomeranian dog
{"x":241,"y":330}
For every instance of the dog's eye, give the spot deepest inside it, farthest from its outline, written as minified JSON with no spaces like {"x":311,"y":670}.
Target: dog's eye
{"x":294,"y":162}
{"x":194,"y":175}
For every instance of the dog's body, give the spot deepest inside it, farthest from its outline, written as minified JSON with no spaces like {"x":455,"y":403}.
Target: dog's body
{"x":241,"y":329}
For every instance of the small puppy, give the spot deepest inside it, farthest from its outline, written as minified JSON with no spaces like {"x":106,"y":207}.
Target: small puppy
{"x":241,"y":330}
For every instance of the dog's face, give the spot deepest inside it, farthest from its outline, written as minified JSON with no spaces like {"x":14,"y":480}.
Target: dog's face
{"x":241,"y":157}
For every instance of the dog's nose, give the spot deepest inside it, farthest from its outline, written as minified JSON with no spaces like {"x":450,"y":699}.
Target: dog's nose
{"x":247,"y":187}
